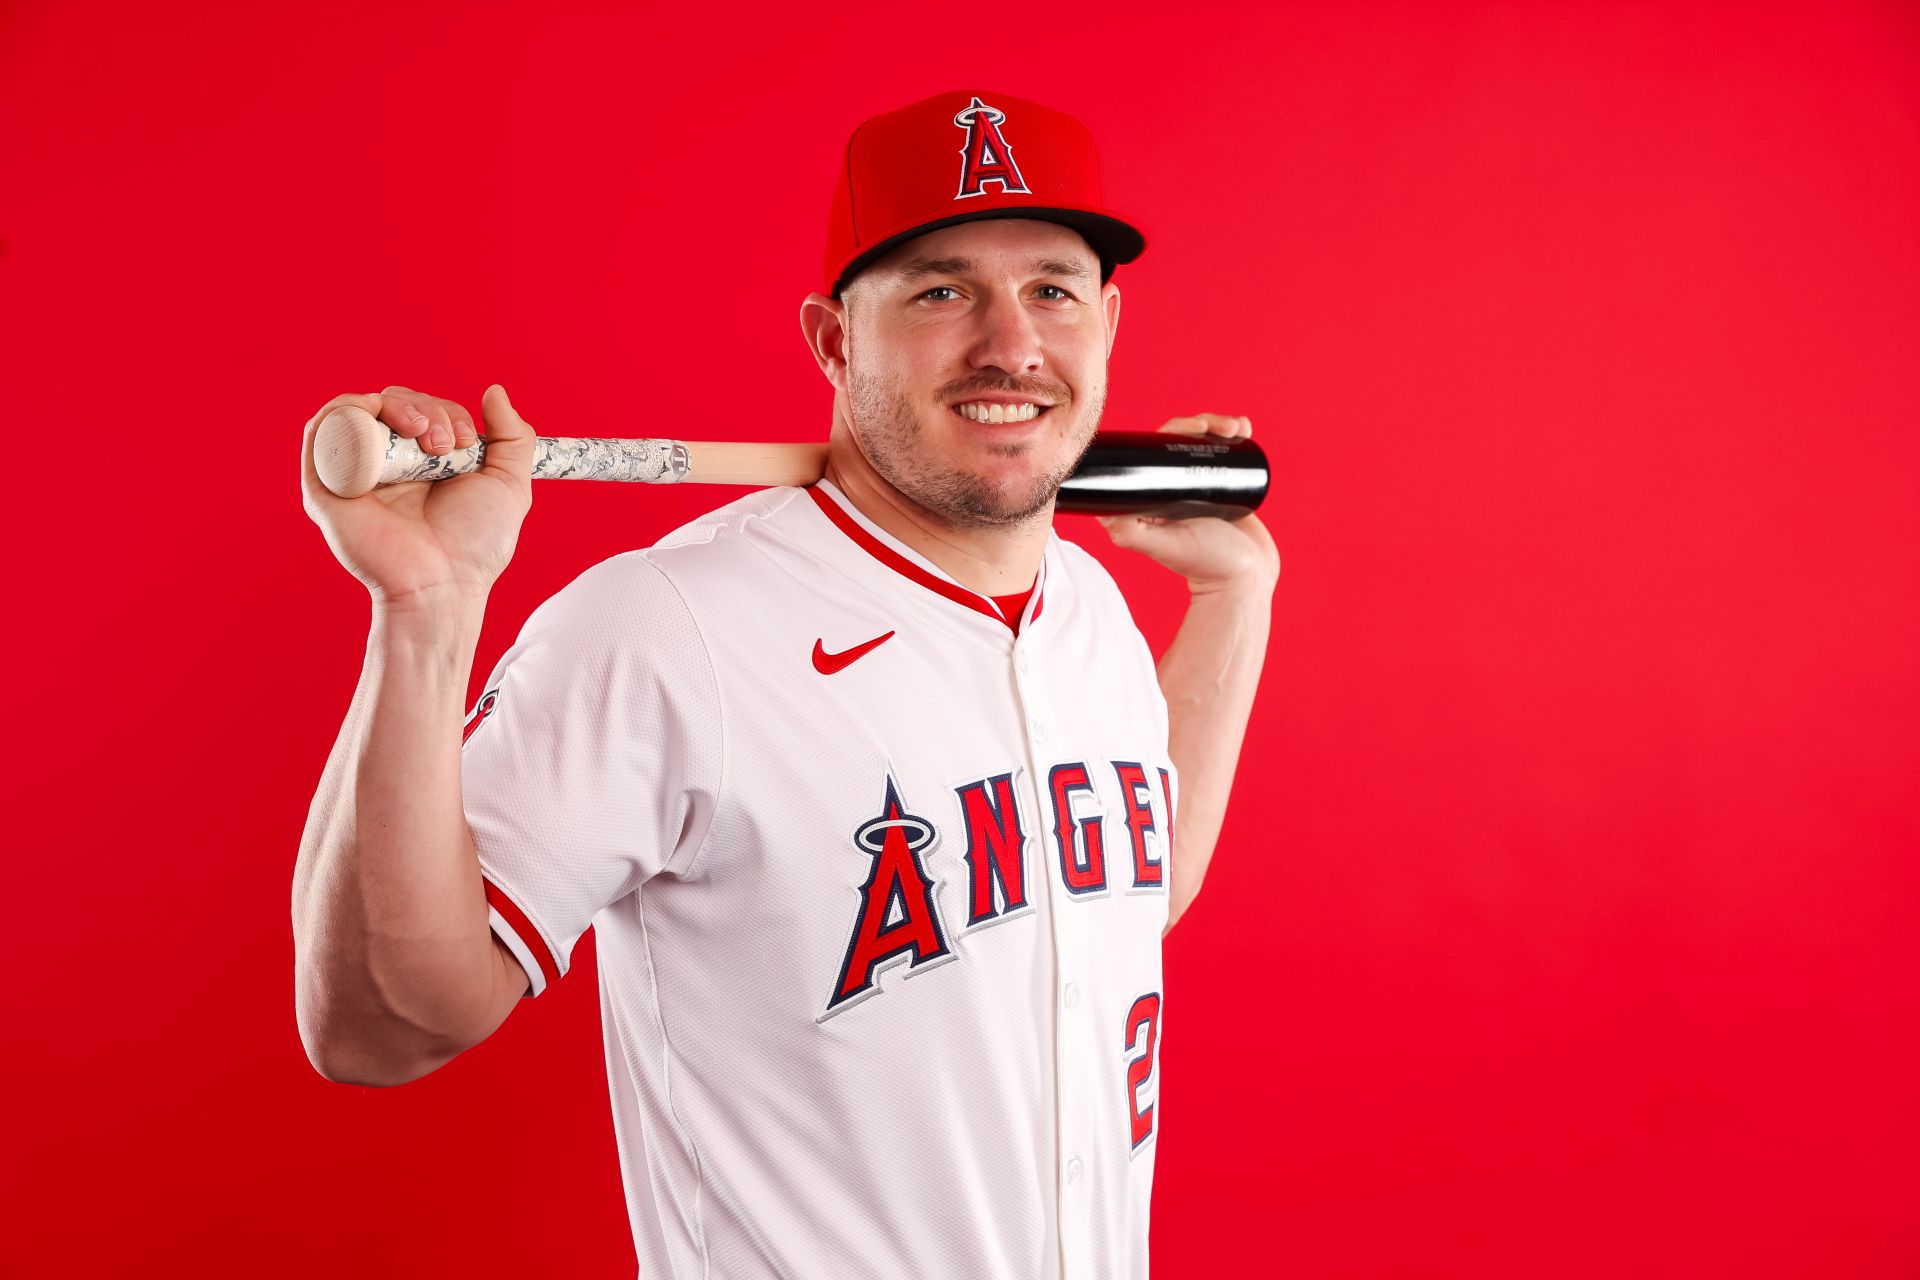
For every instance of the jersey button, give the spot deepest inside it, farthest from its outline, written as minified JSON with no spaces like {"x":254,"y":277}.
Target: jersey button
{"x":1020,"y":662}
{"x":1073,"y":1170}
{"x":1073,"y":995}
{"x":1039,"y":728}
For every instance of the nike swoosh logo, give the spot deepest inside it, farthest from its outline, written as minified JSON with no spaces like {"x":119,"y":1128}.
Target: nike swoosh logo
{"x":828,"y":663}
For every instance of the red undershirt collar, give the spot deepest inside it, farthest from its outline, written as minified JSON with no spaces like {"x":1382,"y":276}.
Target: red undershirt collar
{"x":1011,"y":607}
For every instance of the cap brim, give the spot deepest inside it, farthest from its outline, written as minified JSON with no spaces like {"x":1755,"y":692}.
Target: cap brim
{"x":1116,"y":242}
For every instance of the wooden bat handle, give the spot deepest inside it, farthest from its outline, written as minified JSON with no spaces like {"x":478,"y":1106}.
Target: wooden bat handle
{"x":355,"y":453}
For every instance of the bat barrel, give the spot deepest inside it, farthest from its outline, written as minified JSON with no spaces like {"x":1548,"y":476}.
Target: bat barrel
{"x":1159,"y":473}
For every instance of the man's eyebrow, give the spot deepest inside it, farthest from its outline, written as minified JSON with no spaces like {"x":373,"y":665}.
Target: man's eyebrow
{"x":921,"y":267}
{"x":935,"y":267}
{"x":1054,"y":267}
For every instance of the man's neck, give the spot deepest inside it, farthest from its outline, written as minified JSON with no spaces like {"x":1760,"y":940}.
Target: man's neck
{"x":995,"y":560}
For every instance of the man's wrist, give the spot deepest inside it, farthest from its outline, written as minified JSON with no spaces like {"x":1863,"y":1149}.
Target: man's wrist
{"x":438,"y":603}
{"x":1252,"y":586}
{"x":446,"y":623}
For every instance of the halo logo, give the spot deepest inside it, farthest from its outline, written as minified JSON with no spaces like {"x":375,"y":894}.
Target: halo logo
{"x":986,"y":157}
{"x":899,"y":915}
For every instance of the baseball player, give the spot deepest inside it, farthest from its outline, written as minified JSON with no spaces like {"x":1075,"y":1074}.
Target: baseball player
{"x":871,"y":788}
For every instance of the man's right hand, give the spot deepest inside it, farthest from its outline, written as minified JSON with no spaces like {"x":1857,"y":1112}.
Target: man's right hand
{"x":423,"y":540}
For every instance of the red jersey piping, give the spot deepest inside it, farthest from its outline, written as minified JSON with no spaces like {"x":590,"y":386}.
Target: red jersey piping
{"x":908,"y":569}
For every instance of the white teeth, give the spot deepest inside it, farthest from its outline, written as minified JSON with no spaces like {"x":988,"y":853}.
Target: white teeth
{"x":999,"y":412}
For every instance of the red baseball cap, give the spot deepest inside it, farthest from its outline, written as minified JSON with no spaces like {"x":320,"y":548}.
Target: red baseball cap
{"x":959,"y":156}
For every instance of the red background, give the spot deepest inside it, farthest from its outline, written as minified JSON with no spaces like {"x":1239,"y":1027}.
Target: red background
{"x":1564,"y":921}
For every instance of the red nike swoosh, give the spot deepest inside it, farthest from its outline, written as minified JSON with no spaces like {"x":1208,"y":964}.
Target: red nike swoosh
{"x":828,"y":663}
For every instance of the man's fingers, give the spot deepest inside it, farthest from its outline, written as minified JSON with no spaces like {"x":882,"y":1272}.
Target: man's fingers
{"x":1217,"y":424}
{"x":449,"y":413}
{"x":411,"y":415}
{"x":425,"y":416}
{"x":464,"y":435}
{"x":1221,"y":424}
{"x":439,"y":425}
{"x":402,"y":416}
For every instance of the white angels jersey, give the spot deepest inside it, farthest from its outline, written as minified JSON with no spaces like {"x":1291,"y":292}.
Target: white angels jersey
{"x":879,"y":887}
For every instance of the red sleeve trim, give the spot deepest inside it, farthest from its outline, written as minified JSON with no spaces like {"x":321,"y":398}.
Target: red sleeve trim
{"x":529,"y":936}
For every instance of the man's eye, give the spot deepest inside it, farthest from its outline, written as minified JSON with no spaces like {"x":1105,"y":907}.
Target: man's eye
{"x":947,"y":288}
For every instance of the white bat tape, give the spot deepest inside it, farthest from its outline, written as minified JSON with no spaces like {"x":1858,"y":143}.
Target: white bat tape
{"x":646,"y":461}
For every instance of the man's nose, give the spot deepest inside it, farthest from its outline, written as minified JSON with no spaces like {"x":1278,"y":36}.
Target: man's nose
{"x":1008,"y":338}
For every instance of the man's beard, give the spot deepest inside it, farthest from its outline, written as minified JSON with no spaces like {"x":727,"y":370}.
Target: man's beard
{"x":888,"y":432}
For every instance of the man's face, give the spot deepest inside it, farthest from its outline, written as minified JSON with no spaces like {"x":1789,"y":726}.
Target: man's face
{"x":999,"y":317}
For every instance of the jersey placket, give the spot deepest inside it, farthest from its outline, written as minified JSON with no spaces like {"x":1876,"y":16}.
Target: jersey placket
{"x":1073,"y":1048}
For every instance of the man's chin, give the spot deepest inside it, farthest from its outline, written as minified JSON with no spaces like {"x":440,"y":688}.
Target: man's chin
{"x":983,"y":502}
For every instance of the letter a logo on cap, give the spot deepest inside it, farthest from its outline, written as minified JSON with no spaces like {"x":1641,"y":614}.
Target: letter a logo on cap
{"x":986,"y":157}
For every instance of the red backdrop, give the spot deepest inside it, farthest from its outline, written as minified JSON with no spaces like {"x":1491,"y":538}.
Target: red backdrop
{"x":1564,"y":920}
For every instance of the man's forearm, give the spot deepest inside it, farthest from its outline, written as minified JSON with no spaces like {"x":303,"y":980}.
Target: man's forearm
{"x":1209,"y":675}
{"x":391,"y":941}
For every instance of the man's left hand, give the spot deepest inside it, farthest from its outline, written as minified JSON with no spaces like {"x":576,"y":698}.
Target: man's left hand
{"x":1210,"y":553}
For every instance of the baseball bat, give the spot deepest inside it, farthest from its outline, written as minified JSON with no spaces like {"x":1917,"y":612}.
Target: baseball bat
{"x":1139,"y":472}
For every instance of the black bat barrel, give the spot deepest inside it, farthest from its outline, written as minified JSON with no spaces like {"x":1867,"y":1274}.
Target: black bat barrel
{"x":1157,"y":473}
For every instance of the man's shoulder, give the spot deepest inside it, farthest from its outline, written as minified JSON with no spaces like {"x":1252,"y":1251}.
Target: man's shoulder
{"x":686,"y":552}
{"x":753,"y":544}
{"x":723,"y":550}
{"x":763,"y":509}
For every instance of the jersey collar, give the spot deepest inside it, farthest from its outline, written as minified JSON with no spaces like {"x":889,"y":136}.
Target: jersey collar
{"x":910,"y":564}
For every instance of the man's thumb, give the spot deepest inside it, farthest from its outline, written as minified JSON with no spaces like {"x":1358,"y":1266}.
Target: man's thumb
{"x":1124,"y":529}
{"x":1152,"y":536}
{"x":509,"y":437}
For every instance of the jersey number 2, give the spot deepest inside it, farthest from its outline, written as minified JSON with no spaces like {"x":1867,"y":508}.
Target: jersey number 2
{"x":1143,"y":1033}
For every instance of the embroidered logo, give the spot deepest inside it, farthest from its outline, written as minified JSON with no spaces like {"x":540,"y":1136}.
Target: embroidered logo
{"x":898,"y":919}
{"x":478,"y":716}
{"x":985,"y":156}
{"x":828,"y":663}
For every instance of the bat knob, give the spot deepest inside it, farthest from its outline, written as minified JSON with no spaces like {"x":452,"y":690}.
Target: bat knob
{"x":348,"y":447}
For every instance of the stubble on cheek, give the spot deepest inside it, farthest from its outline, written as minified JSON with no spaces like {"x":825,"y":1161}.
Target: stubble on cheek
{"x":889,"y":432}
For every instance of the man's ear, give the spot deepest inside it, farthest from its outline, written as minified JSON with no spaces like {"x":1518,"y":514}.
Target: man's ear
{"x":824,"y":322}
{"x":1110,"y":303}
